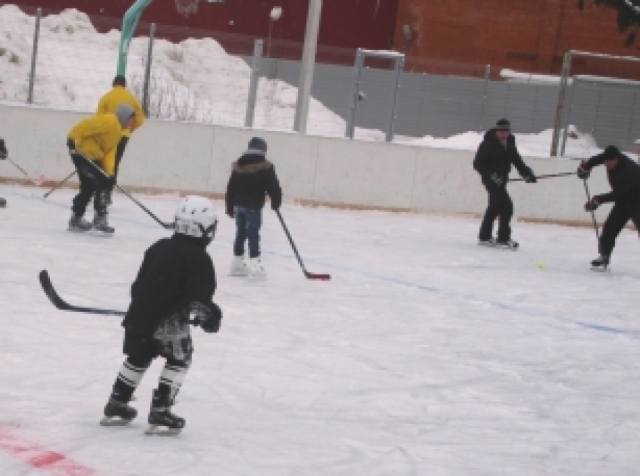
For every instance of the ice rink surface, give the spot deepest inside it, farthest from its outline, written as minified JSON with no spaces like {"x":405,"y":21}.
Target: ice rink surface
{"x":424,"y":355}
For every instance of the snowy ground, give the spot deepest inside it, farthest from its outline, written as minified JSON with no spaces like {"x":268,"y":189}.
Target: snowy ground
{"x":425,"y":354}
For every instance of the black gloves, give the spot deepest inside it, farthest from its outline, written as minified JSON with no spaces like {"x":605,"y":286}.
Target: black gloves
{"x":207,"y":317}
{"x":71,"y":144}
{"x":530,"y":177}
{"x":3,"y":150}
{"x":592,"y":204}
{"x":496,"y":179}
{"x":584,"y":170}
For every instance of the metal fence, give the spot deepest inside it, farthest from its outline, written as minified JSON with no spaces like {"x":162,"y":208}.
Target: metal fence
{"x":68,"y":64}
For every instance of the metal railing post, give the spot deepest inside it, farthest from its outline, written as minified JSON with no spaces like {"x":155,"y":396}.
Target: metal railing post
{"x":485,"y":88}
{"x":253,"y":83}
{"x":394,"y":101}
{"x":34,"y":55}
{"x":566,"y":70}
{"x":351,"y":122}
{"x":147,"y":72}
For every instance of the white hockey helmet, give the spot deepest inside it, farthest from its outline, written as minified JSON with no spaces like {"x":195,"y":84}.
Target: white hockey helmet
{"x":196,"y":217}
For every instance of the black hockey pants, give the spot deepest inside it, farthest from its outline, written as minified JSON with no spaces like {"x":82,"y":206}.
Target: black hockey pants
{"x":500,"y":204}
{"x":620,"y":214}
{"x":92,"y":185}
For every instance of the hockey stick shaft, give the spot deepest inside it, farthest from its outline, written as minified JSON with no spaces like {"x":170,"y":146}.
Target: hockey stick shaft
{"x":593,"y":214}
{"x":563,"y":174}
{"x":60,"y":184}
{"x":23,"y":171}
{"x":58,"y":302}
{"x":295,"y":251}
{"x":168,"y":226}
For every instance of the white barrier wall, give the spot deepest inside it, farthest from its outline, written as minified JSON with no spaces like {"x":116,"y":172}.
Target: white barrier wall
{"x":333,"y":171}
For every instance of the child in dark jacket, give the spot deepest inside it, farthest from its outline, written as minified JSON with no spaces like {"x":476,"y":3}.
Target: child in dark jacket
{"x":252,"y":178}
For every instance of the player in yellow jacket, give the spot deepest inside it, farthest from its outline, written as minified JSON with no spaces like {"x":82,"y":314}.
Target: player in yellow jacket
{"x":109,"y":105}
{"x":94,"y":139}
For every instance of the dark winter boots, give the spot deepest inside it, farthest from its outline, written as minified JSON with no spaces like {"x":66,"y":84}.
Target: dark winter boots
{"x":78,"y":224}
{"x":161,"y":420}
{"x":101,"y":225}
{"x":117,"y":412}
{"x":601,"y":263}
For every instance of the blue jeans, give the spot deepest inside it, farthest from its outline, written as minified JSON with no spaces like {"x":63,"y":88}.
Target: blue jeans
{"x":248,"y":223}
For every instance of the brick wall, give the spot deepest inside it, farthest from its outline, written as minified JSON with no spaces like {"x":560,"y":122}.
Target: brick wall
{"x":525,"y":35}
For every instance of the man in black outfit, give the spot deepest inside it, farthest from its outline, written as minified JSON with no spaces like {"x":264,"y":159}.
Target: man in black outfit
{"x":252,"y":178}
{"x":624,"y":178}
{"x":176,"y":280}
{"x":493,"y":161}
{"x":3,"y":156}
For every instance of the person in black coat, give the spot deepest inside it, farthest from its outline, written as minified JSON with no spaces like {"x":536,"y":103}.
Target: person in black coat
{"x":493,"y":161}
{"x":624,"y":178}
{"x":252,"y":178}
{"x":176,"y":280}
{"x":3,"y":156}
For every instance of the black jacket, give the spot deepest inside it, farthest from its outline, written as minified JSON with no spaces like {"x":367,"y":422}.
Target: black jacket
{"x":493,"y":157}
{"x":175,"y":272}
{"x":624,"y":180}
{"x":252,"y":177}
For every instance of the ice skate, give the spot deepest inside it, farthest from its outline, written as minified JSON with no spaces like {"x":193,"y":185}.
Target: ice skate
{"x":78,"y":224}
{"x":601,"y":263}
{"x":161,"y":421}
{"x":238,"y":267}
{"x":117,"y":413}
{"x":256,"y":270}
{"x":490,"y":243}
{"x":101,"y":225}
{"x":507,"y":245}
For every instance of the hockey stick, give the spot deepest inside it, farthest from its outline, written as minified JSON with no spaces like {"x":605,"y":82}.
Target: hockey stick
{"x":563,"y":174}
{"x":168,"y":226}
{"x":60,"y":184}
{"x":593,"y":215}
{"x":61,"y":304}
{"x":36,"y":182}
{"x":323,"y":277}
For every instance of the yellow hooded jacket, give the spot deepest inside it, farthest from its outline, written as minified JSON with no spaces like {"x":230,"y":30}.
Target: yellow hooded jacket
{"x":97,"y":138}
{"x":119,"y":95}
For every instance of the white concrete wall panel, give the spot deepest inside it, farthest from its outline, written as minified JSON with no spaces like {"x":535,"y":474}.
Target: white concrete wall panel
{"x":196,"y":157}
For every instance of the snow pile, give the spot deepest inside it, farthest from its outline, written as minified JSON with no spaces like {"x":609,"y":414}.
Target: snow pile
{"x":579,"y":145}
{"x":195,"y":80}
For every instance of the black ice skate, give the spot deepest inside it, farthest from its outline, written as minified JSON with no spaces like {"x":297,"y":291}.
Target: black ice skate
{"x":491,"y":242}
{"x":117,"y":413}
{"x":161,"y":421}
{"x":78,"y":224}
{"x":507,"y":245}
{"x":101,"y":225}
{"x":601,"y":263}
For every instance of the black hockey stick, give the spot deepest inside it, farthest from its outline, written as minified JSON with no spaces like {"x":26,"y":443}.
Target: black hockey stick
{"x":60,"y":184}
{"x":168,"y":226}
{"x":593,"y":215}
{"x":61,"y":304}
{"x":323,"y":277}
{"x":563,"y":174}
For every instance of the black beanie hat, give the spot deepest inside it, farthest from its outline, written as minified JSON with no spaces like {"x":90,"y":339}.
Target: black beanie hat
{"x":120,"y":81}
{"x":611,"y":152}
{"x":503,"y":125}
{"x":258,"y":143}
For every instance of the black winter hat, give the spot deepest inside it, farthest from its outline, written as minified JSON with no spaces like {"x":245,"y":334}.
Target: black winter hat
{"x":503,"y":125}
{"x":258,"y":143}
{"x":611,"y":152}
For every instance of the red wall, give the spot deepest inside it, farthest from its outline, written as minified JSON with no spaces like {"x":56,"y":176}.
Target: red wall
{"x":345,"y":23}
{"x":525,"y":35}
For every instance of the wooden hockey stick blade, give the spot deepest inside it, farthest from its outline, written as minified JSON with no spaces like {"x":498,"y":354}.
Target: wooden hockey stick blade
{"x":320,"y":276}
{"x":61,"y":304}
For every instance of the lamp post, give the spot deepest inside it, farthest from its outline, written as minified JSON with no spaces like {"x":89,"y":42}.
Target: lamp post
{"x":276,"y":13}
